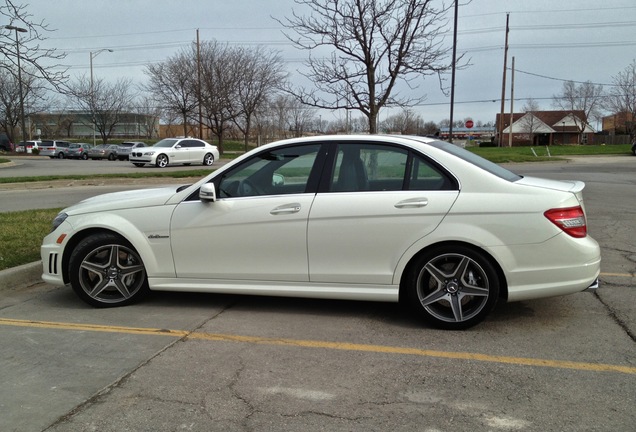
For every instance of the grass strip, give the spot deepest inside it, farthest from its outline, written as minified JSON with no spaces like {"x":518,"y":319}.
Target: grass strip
{"x":21,"y":235}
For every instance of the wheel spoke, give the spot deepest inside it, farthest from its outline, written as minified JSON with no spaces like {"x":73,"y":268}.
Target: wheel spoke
{"x":456,"y":306}
{"x":121,"y":287}
{"x":99,"y":287}
{"x":130,"y":270}
{"x":474,"y":291}
{"x":98,"y":269}
{"x":460,"y":270}
{"x":437,"y":274}
{"x":435,"y":296}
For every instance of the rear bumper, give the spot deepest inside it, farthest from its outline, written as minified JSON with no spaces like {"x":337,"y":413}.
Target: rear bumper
{"x":594,"y":286}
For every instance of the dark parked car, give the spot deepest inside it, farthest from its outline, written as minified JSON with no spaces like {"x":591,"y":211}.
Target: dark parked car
{"x":78,"y":151}
{"x":103,"y":151}
{"x":126,"y":147}
{"x":5,"y":143}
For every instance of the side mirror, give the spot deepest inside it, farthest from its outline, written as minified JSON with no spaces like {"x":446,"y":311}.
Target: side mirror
{"x":207,"y":192}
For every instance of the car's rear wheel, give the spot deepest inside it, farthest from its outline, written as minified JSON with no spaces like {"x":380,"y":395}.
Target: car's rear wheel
{"x":84,"y":156}
{"x":106,"y":271}
{"x":138,"y":164}
{"x":452,"y":287}
{"x":162,"y":161}
{"x":208,"y":159}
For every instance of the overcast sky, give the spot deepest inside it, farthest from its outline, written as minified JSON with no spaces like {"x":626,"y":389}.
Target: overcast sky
{"x":551,"y":41}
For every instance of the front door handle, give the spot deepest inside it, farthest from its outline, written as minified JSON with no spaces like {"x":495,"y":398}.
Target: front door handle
{"x":286,"y":209}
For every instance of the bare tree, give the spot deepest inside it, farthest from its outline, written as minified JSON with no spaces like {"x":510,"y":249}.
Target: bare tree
{"x":405,"y":122}
{"x":261,"y":73}
{"x":35,"y":60}
{"x":173,"y":85}
{"x":374,"y":44}
{"x":621,"y":97}
{"x":429,"y":128}
{"x":106,"y":103}
{"x":149,"y":115}
{"x":34,"y":96}
{"x":530,"y":123}
{"x":586,"y":97}
{"x":220,"y":81}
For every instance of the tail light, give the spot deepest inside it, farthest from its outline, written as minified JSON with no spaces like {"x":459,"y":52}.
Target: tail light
{"x":571,"y":220}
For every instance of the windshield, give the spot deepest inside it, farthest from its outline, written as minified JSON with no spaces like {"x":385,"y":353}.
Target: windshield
{"x":166,"y":143}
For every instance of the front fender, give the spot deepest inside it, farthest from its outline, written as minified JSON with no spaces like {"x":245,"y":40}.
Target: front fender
{"x":149,"y":237}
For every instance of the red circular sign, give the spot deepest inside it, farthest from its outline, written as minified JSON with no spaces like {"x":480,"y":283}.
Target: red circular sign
{"x":469,"y":124}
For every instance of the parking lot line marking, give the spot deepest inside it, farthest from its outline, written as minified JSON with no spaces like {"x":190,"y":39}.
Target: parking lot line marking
{"x":343,"y":346}
{"x":522,"y":361}
{"x":617,"y":274}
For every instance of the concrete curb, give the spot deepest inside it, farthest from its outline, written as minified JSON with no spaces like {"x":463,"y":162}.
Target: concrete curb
{"x":20,"y":277}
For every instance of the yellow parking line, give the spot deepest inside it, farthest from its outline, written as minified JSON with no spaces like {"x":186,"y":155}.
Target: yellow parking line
{"x":617,"y":274}
{"x":520,"y":361}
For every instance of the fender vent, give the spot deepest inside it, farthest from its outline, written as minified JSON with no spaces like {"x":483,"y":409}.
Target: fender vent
{"x":53,"y":263}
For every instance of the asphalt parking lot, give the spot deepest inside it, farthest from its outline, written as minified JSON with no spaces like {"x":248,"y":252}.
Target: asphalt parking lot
{"x":215,"y":362}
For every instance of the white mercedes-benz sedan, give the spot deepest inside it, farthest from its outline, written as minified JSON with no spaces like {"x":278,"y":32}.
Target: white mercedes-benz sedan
{"x":374,"y":218}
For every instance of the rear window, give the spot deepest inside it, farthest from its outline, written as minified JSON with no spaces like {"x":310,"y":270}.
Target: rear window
{"x":476,"y":160}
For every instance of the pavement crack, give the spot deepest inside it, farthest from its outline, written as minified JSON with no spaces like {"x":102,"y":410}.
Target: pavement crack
{"x":616,"y":318}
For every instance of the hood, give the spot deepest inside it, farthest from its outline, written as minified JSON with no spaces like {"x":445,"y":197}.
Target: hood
{"x":123,"y":200}
{"x":573,"y":186}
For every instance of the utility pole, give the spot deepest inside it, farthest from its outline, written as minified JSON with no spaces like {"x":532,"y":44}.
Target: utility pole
{"x":512,"y":101}
{"x":452,"y":104}
{"x":503,"y":85}
{"x":199,"y":86}
{"x":92,"y":56}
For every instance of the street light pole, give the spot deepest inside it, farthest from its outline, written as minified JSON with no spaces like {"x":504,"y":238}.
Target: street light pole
{"x":17,"y":48}
{"x":93,"y":55}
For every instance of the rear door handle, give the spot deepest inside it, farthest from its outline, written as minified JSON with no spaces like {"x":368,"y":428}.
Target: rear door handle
{"x":286,"y":209}
{"x":412,"y":203}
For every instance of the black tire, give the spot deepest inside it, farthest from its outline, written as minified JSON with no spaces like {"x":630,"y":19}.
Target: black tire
{"x":111,"y":157}
{"x":208,"y":159}
{"x":161,"y":161}
{"x":452,"y":287}
{"x":84,"y":156}
{"x":139,"y":165}
{"x":60,"y":155}
{"x":106,"y":271}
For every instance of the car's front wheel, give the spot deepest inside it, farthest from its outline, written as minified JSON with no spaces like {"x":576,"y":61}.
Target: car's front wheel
{"x":162,"y":161}
{"x":452,"y":287}
{"x":111,"y":157}
{"x":208,"y":159}
{"x":85,"y":156}
{"x":60,"y":155}
{"x":106,"y":271}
